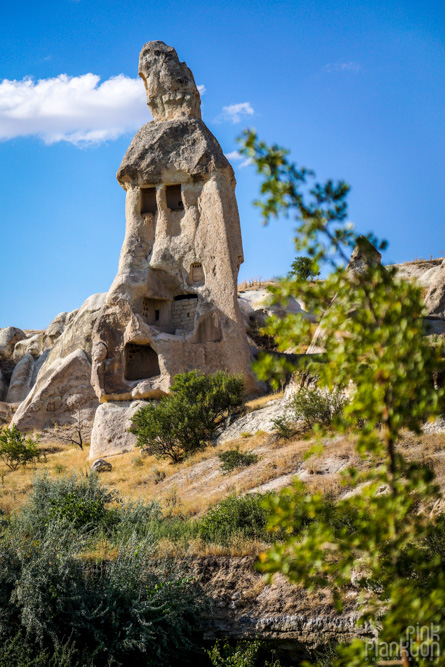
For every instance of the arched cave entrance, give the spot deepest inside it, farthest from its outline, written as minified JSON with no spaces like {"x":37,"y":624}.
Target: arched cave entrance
{"x":141,"y":362}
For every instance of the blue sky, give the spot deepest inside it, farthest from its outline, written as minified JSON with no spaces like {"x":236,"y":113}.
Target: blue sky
{"x":355,"y":89}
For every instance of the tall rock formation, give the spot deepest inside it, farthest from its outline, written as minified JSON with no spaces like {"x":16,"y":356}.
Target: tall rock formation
{"x":173,"y":304}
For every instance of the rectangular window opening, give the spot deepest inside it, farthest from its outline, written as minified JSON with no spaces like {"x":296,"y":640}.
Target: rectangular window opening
{"x":174,"y":198}
{"x":148,"y":200}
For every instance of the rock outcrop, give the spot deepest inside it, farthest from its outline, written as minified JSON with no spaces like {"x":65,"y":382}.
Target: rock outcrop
{"x":173,"y":304}
{"x":21,"y":380}
{"x":110,"y":434}
{"x":435,"y":298}
{"x":61,"y":391}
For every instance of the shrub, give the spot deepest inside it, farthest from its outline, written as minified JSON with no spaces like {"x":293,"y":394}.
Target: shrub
{"x":233,"y":458}
{"x":75,"y":500}
{"x":318,"y":406}
{"x":235,"y":516}
{"x":132,"y":609}
{"x":282,"y":427}
{"x":185,"y":421}
{"x":15,"y":449}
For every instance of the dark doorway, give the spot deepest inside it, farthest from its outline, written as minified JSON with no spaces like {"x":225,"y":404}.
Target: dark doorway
{"x":141,"y":362}
{"x":174,"y":199}
{"x":148,"y":200}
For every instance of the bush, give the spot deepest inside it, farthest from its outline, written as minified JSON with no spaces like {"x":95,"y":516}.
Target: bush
{"x":233,"y":458}
{"x":80,"y":501}
{"x":318,"y":406}
{"x":15,"y":449}
{"x":282,"y":427}
{"x":186,"y":420}
{"x":133,"y":608}
{"x":235,"y":516}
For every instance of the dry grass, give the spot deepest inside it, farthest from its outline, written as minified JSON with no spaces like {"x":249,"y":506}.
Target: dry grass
{"x":260,"y":402}
{"x":191,"y":487}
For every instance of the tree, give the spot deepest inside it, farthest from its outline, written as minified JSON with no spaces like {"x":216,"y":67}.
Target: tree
{"x":186,"y":420}
{"x":373,"y":335}
{"x":15,"y":449}
{"x":303,"y":268}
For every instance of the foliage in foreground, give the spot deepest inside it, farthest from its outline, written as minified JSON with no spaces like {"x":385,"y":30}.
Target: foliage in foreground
{"x":16,"y":449}
{"x":372,"y":334}
{"x":131,"y":607}
{"x":186,"y":420}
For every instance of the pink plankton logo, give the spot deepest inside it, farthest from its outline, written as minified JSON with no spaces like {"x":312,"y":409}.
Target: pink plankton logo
{"x":419,"y":642}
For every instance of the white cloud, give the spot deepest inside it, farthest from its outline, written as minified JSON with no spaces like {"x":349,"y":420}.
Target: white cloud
{"x":342,"y":67}
{"x":234,"y":113}
{"x":78,"y":109}
{"x":202,"y":89}
{"x":235,"y":156}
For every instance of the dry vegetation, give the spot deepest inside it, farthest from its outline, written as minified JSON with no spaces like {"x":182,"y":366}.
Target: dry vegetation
{"x":191,"y":487}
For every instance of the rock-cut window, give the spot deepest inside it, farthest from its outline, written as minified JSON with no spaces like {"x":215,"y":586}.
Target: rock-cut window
{"x":197,"y":272}
{"x":174,"y":198}
{"x":148,"y":200}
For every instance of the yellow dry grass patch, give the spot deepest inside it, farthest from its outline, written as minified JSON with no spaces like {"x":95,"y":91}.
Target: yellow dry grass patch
{"x":191,"y":487}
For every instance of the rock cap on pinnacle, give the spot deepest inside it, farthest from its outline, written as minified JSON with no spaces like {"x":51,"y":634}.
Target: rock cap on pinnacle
{"x":169,"y":84}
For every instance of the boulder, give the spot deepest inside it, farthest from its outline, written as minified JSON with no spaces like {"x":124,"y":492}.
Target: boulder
{"x":63,"y":389}
{"x":100,"y":465}
{"x":32,"y":345}
{"x":55,"y":329}
{"x":435,"y":298}
{"x":8,"y":339}
{"x":21,"y":380}
{"x":110,"y":434}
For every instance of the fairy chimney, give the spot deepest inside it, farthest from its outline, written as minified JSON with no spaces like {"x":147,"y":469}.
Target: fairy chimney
{"x":173,"y":304}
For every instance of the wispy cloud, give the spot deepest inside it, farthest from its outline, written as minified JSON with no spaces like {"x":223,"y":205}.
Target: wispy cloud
{"x":235,"y":113}
{"x":202,"y":89}
{"x":342,"y":67}
{"x":78,"y":109}
{"x":235,"y":156}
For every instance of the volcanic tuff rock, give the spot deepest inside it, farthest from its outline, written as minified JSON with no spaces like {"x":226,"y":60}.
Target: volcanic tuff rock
{"x":173,"y":304}
{"x":21,"y":380}
{"x":435,"y":298}
{"x":110,"y":434}
{"x":61,"y":390}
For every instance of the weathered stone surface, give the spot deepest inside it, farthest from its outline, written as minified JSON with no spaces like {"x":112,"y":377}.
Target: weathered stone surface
{"x":173,"y":304}
{"x":363,"y":256}
{"x":258,"y":420}
{"x":62,"y":389}
{"x":169,"y":84}
{"x":100,"y":465}
{"x":435,"y":298}
{"x":32,"y":345}
{"x":77,"y":333}
{"x":55,"y":329}
{"x":21,"y":380}
{"x":7,"y":411}
{"x":421,"y":271}
{"x":8,"y":339}
{"x":110,"y":429}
